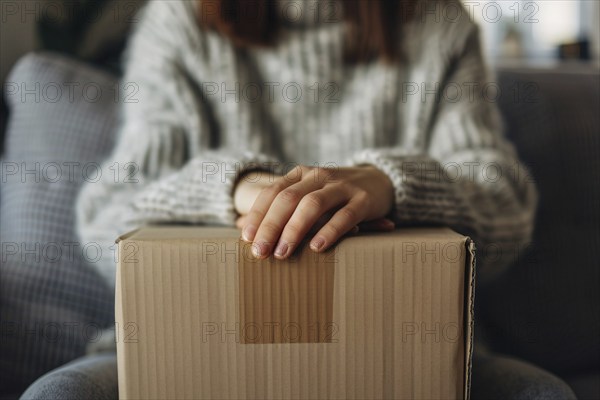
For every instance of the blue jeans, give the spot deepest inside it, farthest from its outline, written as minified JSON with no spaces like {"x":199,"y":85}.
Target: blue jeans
{"x":494,"y":377}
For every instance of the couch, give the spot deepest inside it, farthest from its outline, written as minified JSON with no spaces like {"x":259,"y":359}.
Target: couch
{"x":546,"y":309}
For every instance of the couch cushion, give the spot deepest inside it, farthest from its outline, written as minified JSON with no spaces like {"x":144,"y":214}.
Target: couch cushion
{"x":547,"y":308}
{"x":52,"y":301}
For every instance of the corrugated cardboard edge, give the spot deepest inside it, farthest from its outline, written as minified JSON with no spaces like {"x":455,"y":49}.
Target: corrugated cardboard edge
{"x":121,"y":359}
{"x":127,"y":235}
{"x":469,"y":313}
{"x":119,"y":319}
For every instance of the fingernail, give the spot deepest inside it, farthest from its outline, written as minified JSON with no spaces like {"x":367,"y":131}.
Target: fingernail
{"x":317,"y":244}
{"x":281,"y":249}
{"x":248,"y":233}
{"x":257,"y":250}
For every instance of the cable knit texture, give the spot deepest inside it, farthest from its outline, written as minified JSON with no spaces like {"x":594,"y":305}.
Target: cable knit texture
{"x":200,"y":112}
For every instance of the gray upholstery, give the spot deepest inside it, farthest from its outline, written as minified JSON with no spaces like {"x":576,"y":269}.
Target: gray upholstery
{"x":52,"y":301}
{"x":550,"y":308}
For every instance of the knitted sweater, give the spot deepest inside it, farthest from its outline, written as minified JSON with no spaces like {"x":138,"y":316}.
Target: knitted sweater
{"x":198,"y":112}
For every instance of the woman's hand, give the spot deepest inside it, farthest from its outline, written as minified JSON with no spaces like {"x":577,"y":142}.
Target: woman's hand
{"x":286,"y":208}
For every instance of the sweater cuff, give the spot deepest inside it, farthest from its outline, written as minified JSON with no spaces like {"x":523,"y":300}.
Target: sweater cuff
{"x":202,"y":192}
{"x":419,"y":190}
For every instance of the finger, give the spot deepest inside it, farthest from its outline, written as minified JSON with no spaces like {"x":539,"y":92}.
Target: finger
{"x":307,"y":214}
{"x":322,"y":220}
{"x":355,"y":229}
{"x":263,"y":203}
{"x":341,"y":223}
{"x":282,"y":208}
{"x":377,"y":225}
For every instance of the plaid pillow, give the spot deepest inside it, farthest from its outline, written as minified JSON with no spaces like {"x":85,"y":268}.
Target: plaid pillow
{"x":52,"y":301}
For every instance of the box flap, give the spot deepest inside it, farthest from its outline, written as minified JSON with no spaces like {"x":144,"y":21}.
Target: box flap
{"x":179,"y":232}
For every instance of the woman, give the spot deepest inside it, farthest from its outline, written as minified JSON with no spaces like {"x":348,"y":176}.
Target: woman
{"x":310,"y":118}
{"x":389,"y":95}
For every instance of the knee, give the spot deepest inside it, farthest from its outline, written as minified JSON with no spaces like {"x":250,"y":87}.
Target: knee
{"x":497,"y":377}
{"x":548,"y":388}
{"x":60,"y":385}
{"x":87,"y":379}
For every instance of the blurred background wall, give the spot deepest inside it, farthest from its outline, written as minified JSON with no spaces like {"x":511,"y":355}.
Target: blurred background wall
{"x":528,"y":31}
{"x":540,"y":31}
{"x":17,"y":36}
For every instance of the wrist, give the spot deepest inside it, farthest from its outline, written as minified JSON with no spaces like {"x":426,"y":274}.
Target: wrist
{"x":385,"y":184}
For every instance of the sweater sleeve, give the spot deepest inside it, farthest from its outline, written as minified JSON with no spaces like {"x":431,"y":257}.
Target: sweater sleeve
{"x":150,"y":177}
{"x":468,"y":177}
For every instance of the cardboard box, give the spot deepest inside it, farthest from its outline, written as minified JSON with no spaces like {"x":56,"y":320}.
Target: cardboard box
{"x":384,"y":315}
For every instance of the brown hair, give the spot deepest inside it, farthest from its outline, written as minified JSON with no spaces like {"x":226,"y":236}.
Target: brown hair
{"x":373,"y":24}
